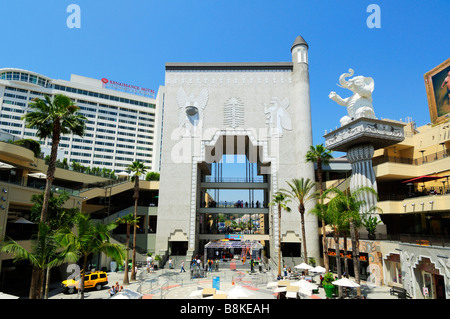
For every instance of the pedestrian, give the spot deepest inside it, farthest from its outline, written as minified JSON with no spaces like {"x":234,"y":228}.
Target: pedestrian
{"x":170,"y":263}
{"x":112,"y":291}
{"x":285,"y":271}
{"x":149,"y":261}
{"x":182,"y":266}
{"x":152,"y":269}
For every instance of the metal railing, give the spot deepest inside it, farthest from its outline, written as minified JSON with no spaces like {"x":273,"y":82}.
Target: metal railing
{"x":411,"y":161}
{"x":214,"y":179}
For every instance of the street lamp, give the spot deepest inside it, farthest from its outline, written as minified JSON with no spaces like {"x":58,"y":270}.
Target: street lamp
{"x":443,"y":149}
{"x":423,"y":158}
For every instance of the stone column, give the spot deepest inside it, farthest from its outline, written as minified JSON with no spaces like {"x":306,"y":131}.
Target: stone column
{"x":360,"y":156}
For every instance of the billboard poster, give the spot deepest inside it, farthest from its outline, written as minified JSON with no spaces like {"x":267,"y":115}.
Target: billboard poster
{"x":437,"y":84}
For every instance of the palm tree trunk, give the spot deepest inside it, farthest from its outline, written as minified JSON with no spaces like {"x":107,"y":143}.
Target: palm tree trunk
{"x":302,"y":215}
{"x":82,"y":276}
{"x":47,"y":282}
{"x":50,"y":171}
{"x":355,"y":249}
{"x":326,"y":260}
{"x":345,"y":255}
{"x":41,"y":283}
{"x":34,"y":283}
{"x":338,"y":257}
{"x":279,"y":239}
{"x":136,"y":197}
{"x":125,"y":275}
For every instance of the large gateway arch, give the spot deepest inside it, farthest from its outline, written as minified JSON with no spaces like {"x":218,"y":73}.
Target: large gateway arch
{"x":214,"y":110}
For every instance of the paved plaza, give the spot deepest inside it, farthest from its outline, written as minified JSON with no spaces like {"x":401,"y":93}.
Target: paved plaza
{"x":173,"y":284}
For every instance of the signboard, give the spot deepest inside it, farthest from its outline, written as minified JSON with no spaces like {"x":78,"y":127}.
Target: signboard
{"x":216,"y":283}
{"x":128,"y":88}
{"x":437,"y":84}
{"x":234,"y":237}
{"x":362,"y":256}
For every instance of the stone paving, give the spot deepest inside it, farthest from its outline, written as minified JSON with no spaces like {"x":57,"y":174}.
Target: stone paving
{"x":171,"y":284}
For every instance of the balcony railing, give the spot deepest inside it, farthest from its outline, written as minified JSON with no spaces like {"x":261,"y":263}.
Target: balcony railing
{"x":214,"y":179}
{"x":421,"y":240}
{"x":411,"y":161}
{"x":39,"y":185}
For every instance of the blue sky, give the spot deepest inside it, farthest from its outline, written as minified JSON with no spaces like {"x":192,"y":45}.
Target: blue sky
{"x":130,"y":41}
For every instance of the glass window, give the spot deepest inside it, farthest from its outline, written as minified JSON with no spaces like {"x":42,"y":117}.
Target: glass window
{"x":33,"y":79}
{"x":24,"y":77}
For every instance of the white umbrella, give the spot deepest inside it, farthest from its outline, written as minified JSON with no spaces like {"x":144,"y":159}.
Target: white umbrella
{"x":345,"y":282}
{"x":122,"y":174}
{"x":272,"y":284}
{"x":127,"y":294}
{"x":238,"y":292}
{"x":318,"y":269}
{"x":304,"y":284}
{"x":7,"y":296}
{"x":38,"y":175}
{"x":22,"y":220}
{"x":304,"y":266}
{"x":196,"y":293}
{"x":280,"y":289}
{"x":5,"y":166}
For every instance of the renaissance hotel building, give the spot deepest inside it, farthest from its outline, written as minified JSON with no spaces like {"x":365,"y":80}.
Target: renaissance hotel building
{"x":121,"y":126}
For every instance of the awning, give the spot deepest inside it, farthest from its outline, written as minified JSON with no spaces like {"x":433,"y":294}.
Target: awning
{"x":233,"y":244}
{"x":424,"y":178}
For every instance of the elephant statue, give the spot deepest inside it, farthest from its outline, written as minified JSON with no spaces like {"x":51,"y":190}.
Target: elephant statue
{"x":360,"y":103}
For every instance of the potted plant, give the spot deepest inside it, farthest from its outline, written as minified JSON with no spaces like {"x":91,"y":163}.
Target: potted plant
{"x":327,"y":284}
{"x":370,"y":223}
{"x":158,"y":259}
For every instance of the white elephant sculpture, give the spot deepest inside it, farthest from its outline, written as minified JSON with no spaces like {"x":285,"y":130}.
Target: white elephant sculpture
{"x":360,"y":103}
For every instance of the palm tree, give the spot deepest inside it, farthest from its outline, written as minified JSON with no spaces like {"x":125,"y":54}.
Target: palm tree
{"x":90,"y":238}
{"x":46,"y":253}
{"x":280,"y":200}
{"x":137,"y":168}
{"x":301,"y":190}
{"x":58,"y":217}
{"x":348,"y":205}
{"x":53,"y":118}
{"x":128,"y":220}
{"x":321,"y":156}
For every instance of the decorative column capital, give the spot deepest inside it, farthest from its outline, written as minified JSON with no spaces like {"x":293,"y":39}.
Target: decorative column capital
{"x":361,"y":152}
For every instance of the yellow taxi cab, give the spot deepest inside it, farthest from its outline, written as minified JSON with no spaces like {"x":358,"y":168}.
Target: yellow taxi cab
{"x":95,"y":280}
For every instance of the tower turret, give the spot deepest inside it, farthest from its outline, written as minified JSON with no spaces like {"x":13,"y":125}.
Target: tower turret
{"x":299,"y":50}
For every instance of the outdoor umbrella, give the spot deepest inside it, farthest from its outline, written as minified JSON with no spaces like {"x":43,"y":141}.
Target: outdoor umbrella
{"x":345,"y":282}
{"x":272,"y":284}
{"x":238,"y":292}
{"x":127,"y":294}
{"x":38,"y":175}
{"x":122,"y":174}
{"x":280,"y":289}
{"x":22,"y":220}
{"x":196,"y":293}
{"x":5,"y":166}
{"x":304,"y":266}
{"x":304,"y":284}
{"x":318,"y":269}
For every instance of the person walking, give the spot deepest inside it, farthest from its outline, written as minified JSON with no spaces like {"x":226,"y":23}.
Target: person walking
{"x":182,"y":266}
